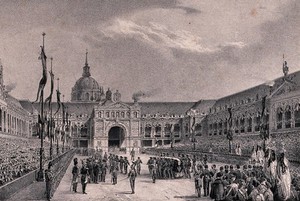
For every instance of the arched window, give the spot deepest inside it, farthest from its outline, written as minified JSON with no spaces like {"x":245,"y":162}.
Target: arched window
{"x":225,"y":128}
{"x":158,"y":130}
{"x":236,"y":126}
{"x":249,"y":121}
{"x":279,"y":115}
{"x":242,"y":123}
{"x":148,"y":130}
{"x":257,"y":122}
{"x":215,"y":128}
{"x":176,"y":130}
{"x":198,"y":129}
{"x":167,"y":130}
{"x":87,"y":96}
{"x":220,"y":127}
{"x":288,"y":117}
{"x":297,"y":115}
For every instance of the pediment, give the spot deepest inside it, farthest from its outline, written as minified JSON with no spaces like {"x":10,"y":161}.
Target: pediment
{"x":286,"y":87}
{"x":115,"y":105}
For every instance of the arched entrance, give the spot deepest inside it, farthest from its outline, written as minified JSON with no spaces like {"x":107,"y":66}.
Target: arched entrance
{"x":116,"y":136}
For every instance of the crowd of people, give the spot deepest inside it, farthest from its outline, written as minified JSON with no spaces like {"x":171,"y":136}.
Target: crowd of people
{"x":95,"y":169}
{"x":19,"y":157}
{"x":269,"y":178}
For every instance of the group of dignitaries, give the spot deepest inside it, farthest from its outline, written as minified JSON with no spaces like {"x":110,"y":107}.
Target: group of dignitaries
{"x":95,"y":169}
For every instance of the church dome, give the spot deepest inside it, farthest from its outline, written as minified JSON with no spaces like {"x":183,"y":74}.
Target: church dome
{"x":86,"y":88}
{"x":86,"y":83}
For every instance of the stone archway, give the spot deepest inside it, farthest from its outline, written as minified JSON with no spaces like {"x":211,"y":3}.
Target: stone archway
{"x":116,"y":136}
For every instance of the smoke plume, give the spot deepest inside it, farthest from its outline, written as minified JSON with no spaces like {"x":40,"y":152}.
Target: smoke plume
{"x":143,"y":94}
{"x":10,"y":87}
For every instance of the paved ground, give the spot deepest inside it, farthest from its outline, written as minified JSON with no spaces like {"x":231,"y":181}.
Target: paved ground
{"x":179,"y":189}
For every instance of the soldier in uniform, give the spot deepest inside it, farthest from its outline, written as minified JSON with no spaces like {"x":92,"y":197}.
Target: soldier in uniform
{"x":132,"y":175}
{"x":103,"y":170}
{"x":96,"y":171}
{"x":121,"y":164}
{"x":84,"y":177}
{"x":75,"y":173}
{"x":49,"y":178}
{"x":153,"y":169}
{"x":132,"y":154}
{"x":114,"y":172}
{"x":198,"y":180}
{"x":206,"y":176}
{"x":149,"y":163}
{"x":138,"y":163}
{"x":126,"y":163}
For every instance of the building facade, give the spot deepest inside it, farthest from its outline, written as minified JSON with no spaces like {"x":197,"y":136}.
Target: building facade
{"x":99,"y":119}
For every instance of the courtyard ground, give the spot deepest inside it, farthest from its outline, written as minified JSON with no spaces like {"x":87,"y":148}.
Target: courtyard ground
{"x":178,"y":189}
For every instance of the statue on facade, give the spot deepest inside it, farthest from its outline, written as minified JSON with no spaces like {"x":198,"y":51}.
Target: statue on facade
{"x":285,"y":68}
{"x":108,"y":94}
{"x":117,"y":96}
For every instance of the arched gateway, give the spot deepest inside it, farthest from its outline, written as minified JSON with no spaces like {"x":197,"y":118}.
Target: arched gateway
{"x":116,"y":136}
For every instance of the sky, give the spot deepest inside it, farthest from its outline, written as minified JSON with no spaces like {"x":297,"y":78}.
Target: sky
{"x":173,"y":50}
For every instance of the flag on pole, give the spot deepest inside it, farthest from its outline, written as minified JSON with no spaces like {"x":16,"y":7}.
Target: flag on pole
{"x":58,"y":101}
{"x":49,"y":98}
{"x":64,"y":113}
{"x":229,"y":133}
{"x":43,"y":80}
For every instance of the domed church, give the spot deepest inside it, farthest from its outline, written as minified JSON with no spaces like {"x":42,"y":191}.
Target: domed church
{"x":86,"y":89}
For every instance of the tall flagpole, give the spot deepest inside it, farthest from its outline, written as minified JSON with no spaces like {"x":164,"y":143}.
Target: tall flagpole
{"x":51,"y":122}
{"x":63,"y":121}
{"x":41,"y":171}
{"x":57,"y":148}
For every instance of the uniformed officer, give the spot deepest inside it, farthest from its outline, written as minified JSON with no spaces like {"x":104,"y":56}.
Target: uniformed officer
{"x":75,"y":173}
{"x":207,"y":177}
{"x":114,"y":172}
{"x":84,"y":177}
{"x":49,"y":178}
{"x":132,"y":154}
{"x":138,"y":163}
{"x":198,"y":180}
{"x":126,"y":163}
{"x":132,"y":175}
{"x":121,"y":164}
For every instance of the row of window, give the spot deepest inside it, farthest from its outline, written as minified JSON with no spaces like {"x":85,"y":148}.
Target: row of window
{"x":158,"y":130}
{"x":238,"y":125}
{"x":287,"y":121}
{"x":236,"y":103}
{"x":117,"y":114}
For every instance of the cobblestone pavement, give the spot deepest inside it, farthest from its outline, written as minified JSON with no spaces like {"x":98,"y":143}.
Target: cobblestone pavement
{"x":178,"y":189}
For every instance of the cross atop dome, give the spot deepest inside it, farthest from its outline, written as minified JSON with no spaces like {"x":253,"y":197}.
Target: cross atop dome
{"x":86,"y":61}
{"x":86,"y":68}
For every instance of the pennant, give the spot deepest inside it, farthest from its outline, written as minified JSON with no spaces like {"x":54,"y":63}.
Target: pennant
{"x":58,"y":101}
{"x":64,"y":113}
{"x":49,"y":98}
{"x":43,"y":80}
{"x":229,"y":132}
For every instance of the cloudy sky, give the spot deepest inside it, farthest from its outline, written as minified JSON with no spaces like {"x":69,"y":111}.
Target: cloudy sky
{"x":177,"y":50}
